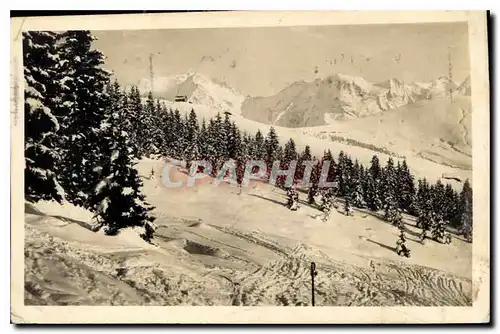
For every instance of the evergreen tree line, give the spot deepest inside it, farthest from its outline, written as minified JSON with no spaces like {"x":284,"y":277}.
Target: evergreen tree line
{"x":80,"y":140}
{"x":391,"y":188}
{"x":83,"y":135}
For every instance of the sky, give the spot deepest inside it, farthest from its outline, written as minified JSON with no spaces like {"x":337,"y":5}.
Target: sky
{"x":263,"y":61}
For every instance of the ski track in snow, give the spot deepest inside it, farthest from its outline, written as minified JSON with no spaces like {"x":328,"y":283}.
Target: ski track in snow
{"x":214,"y":262}
{"x":83,"y":277}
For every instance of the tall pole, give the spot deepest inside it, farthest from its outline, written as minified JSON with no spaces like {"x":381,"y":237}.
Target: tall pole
{"x":313,"y":274}
{"x":151,"y":71}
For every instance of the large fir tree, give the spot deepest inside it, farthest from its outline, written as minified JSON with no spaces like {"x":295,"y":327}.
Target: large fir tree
{"x":40,"y":125}
{"x":87,"y":80}
{"x":117,"y":197}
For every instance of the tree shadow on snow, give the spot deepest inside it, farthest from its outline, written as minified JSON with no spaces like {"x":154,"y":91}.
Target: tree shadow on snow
{"x":31,"y":209}
{"x":306,"y":203}
{"x":381,"y":218}
{"x":268,"y":199}
{"x":74,"y":221}
{"x":392,"y":249}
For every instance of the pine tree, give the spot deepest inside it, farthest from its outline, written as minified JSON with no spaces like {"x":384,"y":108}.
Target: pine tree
{"x":160,"y":112}
{"x":302,"y":157}
{"x":450,"y":204}
{"x":203,"y":140}
{"x":339,"y":175}
{"x":355,"y":186}
{"x":247,"y":145}
{"x":347,"y":206}
{"x":272,"y":149}
{"x":179,"y":142}
{"x":466,"y":206}
{"x":290,"y":151}
{"x":117,"y":198}
{"x":235,"y":148}
{"x":438,"y":199}
{"x":40,"y":125}
{"x":135,"y":109}
{"x":314,"y":188}
{"x":348,"y":175}
{"x":150,"y":130}
{"x":330,"y":173}
{"x":391,"y":208}
{"x":375,"y":186}
{"x":425,"y":217}
{"x":216,"y":145}
{"x":83,"y":125}
{"x":258,"y":147}
{"x":375,"y":169}
{"x":292,"y":199}
{"x":406,"y":188}
{"x":326,"y":203}
{"x":439,"y":231}
{"x":371,"y":194}
{"x":192,"y":133}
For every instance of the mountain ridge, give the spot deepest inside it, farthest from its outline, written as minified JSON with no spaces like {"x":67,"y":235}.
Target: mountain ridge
{"x":322,"y":101}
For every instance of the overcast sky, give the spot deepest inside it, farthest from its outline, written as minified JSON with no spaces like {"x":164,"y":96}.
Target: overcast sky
{"x":262,"y":61}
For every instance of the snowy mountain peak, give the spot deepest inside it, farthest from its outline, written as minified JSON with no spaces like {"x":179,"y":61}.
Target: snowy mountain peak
{"x":198,"y":88}
{"x":353,"y":80}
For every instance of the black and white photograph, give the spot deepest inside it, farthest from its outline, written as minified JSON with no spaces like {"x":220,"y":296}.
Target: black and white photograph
{"x":306,"y":165}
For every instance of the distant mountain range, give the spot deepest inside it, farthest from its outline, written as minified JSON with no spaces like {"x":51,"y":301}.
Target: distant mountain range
{"x":303,"y":104}
{"x":342,"y":97}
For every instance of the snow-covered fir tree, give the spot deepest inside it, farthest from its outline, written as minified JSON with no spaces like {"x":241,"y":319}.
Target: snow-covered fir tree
{"x":439,"y":231}
{"x":192,"y":151}
{"x":438,"y":199}
{"x":450,"y":204}
{"x":314,"y":188}
{"x":40,"y":125}
{"x":203,"y":140}
{"x":326,"y":203}
{"x":272,"y":149}
{"x":305,"y":155}
{"x":117,"y":196}
{"x":392,"y":212}
{"x":341,"y":174}
{"x":290,"y":151}
{"x":292,"y":198}
{"x":87,"y":105}
{"x":235,"y":148}
{"x":406,"y":188}
{"x":150,"y":131}
{"x":258,"y":146}
{"x":466,"y":206}
{"x":371,"y":193}
{"x":355,"y":186}
{"x":135,"y":109}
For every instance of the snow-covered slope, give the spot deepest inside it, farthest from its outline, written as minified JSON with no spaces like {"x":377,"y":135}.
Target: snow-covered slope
{"x":437,"y":130}
{"x":198,"y":88}
{"x":215,"y":247}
